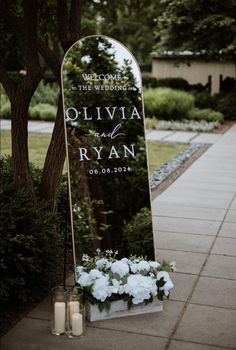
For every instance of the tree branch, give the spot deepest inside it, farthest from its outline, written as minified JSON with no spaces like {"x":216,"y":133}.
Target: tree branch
{"x":51,"y":59}
{"x":63,"y":25}
{"x":75,"y":20}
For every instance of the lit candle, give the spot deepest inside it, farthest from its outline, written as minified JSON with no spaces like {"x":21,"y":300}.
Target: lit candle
{"x":60,"y":317}
{"x":76,"y":324}
{"x":73,"y":308}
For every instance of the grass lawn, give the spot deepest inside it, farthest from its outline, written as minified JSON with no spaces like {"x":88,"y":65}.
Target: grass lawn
{"x":160,"y":153}
{"x":38,"y":145}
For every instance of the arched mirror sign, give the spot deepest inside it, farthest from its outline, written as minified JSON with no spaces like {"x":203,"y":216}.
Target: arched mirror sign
{"x":106,"y":151}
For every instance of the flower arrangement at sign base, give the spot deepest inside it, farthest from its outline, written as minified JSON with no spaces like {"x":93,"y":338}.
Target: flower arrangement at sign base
{"x":111,"y":286}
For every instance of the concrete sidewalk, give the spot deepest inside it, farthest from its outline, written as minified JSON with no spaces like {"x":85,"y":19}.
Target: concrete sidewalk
{"x":195,"y":225}
{"x":182,"y":136}
{"x":33,"y":126}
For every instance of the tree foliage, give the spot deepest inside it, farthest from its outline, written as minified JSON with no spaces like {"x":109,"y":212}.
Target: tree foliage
{"x":207,"y":27}
{"x":130,"y":21}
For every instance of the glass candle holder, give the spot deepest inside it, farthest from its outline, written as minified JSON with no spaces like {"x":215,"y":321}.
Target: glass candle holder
{"x":75,"y":314}
{"x":58,"y":311}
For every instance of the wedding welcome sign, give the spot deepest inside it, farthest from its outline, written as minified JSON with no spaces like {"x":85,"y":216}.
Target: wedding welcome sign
{"x":106,"y":150}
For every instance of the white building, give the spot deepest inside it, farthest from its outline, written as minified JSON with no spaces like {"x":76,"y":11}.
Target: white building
{"x":192,"y":68}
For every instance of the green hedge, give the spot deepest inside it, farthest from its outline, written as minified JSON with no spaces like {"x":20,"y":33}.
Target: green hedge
{"x":205,"y":114}
{"x":45,"y":93}
{"x":204,"y":99}
{"x":30,"y":242}
{"x":226,"y":104}
{"x":173,"y":83}
{"x":43,"y":111}
{"x":6,"y":110}
{"x":165,"y":103}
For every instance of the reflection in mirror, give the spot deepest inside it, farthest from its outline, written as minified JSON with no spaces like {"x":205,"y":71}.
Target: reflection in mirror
{"x":108,"y":178}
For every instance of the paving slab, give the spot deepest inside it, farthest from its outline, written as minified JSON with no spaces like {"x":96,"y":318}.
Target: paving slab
{"x":208,"y":164}
{"x":233,"y":205}
{"x":183,"y":285}
{"x":213,"y":173}
{"x":220,"y":266}
{"x":207,"y":138}
{"x":155,"y":324}
{"x":184,"y":242}
{"x":224,"y":246}
{"x":199,"y":177}
{"x":208,"y":325}
{"x":196,"y":193}
{"x":188,"y":212}
{"x":41,"y":311}
{"x":157,"y":135}
{"x":203,"y":185}
{"x":183,"y":345}
{"x":181,"y":136}
{"x":214,"y":203}
{"x":231,"y":216}
{"x":32,"y":334}
{"x":215,"y":292}
{"x":183,"y":225}
{"x":186,"y":262}
{"x":228,"y":229}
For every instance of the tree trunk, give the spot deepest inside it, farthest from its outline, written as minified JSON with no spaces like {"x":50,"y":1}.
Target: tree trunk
{"x":20,"y":157}
{"x":53,"y":166}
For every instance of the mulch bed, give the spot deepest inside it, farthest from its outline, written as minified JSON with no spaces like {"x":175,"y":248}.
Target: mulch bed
{"x":225,"y":126}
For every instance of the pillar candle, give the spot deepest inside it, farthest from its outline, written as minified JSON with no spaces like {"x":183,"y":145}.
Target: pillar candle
{"x":60,"y":317}
{"x":76,"y":324}
{"x":73,"y":308}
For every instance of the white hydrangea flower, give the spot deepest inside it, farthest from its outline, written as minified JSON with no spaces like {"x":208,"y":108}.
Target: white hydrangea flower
{"x":94,"y":273}
{"x":167,"y":286}
{"x":85,"y":280}
{"x":163,"y":274}
{"x":140,"y":287}
{"x":134,"y":267}
{"x":120,"y":267}
{"x":143,"y":265}
{"x":101,"y":289}
{"x":103,"y":263}
{"x":126,"y":261}
{"x":79,"y":269}
{"x":118,"y":288}
{"x":154,"y":264}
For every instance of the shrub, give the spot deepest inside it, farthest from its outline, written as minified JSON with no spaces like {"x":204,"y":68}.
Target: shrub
{"x":205,"y":114}
{"x":6,"y":110}
{"x":149,"y":82}
{"x":165,"y":103}
{"x":174,"y":83}
{"x":226,"y":104}
{"x":138,"y":234}
{"x":187,"y":125}
{"x":203,"y":99}
{"x":45,"y":93}
{"x":150,"y":123}
{"x":30,"y":244}
{"x":228,"y":84}
{"x":43,"y":111}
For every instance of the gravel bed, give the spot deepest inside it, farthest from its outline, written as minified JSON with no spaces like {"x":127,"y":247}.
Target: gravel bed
{"x":166,"y":170}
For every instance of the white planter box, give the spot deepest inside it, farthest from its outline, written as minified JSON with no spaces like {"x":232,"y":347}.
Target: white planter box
{"x":119,"y":309}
